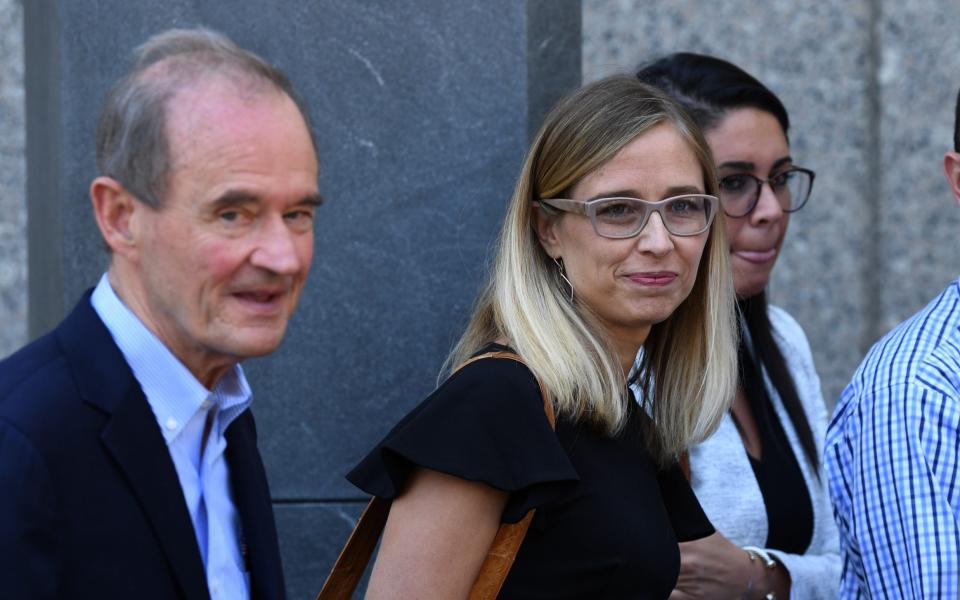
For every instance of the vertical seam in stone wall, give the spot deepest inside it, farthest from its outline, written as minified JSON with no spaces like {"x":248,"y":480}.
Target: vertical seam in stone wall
{"x":871,"y":275}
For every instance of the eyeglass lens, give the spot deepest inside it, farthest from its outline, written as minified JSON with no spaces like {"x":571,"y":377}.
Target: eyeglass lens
{"x":626,"y":217}
{"x":739,"y":193}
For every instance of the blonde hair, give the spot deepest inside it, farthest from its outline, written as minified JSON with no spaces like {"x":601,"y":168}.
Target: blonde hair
{"x":691,"y":355}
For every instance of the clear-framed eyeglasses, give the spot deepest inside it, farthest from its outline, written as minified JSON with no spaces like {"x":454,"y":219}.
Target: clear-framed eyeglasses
{"x":689,"y":214}
{"x":740,"y":192}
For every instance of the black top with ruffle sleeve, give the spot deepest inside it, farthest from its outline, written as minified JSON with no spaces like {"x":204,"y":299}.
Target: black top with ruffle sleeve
{"x":607,"y":520}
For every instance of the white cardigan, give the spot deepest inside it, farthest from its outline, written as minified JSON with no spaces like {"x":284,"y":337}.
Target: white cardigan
{"x":724,"y":482}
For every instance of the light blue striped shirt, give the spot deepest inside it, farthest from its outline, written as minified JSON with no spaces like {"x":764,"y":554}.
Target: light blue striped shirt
{"x":182,"y":406}
{"x":892,"y":456}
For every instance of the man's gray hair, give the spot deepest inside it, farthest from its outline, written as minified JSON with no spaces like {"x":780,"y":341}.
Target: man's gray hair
{"x":132,"y":143}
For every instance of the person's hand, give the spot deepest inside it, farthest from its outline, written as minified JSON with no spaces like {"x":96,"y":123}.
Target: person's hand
{"x":714,"y":568}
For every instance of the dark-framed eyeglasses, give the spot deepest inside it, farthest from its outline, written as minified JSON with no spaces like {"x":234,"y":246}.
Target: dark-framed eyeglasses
{"x":740,"y":192}
{"x":617,"y":217}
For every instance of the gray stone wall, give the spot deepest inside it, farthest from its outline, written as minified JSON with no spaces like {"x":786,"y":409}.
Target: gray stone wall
{"x":870,"y":87}
{"x":13,"y":208}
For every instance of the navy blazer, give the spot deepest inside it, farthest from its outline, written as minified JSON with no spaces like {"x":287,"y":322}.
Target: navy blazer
{"x":90,"y":502}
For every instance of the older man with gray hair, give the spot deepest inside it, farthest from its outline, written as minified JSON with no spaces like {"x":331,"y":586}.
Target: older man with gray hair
{"x":128,"y":457}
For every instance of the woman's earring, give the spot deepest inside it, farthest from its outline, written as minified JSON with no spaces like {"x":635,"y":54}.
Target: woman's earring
{"x":563,"y":275}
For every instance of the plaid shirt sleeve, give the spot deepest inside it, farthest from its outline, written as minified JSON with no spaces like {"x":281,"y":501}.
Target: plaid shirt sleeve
{"x":891,"y":458}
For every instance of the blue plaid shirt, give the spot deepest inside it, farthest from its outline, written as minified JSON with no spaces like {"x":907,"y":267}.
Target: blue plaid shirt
{"x":892,"y":456}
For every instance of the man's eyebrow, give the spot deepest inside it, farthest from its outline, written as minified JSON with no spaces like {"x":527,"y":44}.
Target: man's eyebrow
{"x":233,"y":198}
{"x":239,"y":197}
{"x":313,"y":200}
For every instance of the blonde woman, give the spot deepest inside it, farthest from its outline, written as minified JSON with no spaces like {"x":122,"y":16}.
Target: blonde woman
{"x":612,"y":242}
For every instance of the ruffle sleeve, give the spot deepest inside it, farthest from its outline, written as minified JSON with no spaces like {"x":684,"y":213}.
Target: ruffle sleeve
{"x":485,"y":423}
{"x":686,"y":515}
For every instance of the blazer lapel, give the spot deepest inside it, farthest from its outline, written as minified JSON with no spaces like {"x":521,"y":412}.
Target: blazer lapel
{"x":252,"y":495}
{"x":133,"y":438}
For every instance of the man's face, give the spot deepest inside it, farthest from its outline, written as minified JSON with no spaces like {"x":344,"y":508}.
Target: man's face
{"x":222,"y":263}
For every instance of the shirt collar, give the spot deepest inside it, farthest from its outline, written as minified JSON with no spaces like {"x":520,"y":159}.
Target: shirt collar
{"x":172,"y":391}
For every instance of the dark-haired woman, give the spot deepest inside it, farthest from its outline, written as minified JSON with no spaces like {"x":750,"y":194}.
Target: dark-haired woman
{"x":758,"y":477}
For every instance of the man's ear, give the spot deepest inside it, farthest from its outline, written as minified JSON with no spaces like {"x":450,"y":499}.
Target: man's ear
{"x":545,"y":224}
{"x":951,"y":168}
{"x":115,"y":210}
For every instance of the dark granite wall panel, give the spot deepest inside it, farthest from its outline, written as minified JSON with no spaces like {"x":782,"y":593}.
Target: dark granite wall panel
{"x":311,"y":537}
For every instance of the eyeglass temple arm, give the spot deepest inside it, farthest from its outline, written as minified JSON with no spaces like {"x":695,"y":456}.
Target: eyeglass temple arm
{"x":566,"y":205}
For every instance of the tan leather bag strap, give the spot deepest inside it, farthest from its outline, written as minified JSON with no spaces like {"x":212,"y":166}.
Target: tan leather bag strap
{"x":355,"y":556}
